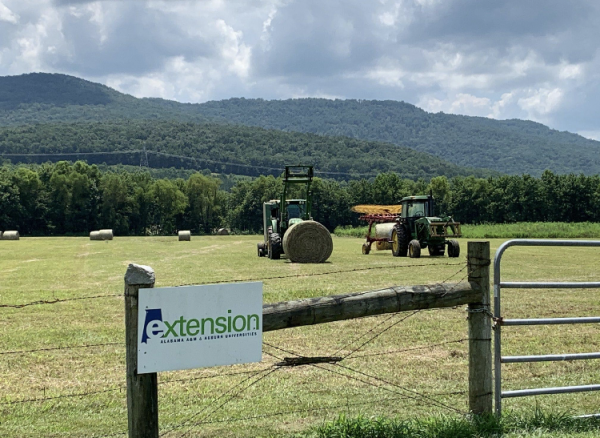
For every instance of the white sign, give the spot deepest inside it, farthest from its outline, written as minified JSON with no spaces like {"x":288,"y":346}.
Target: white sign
{"x":199,"y":326}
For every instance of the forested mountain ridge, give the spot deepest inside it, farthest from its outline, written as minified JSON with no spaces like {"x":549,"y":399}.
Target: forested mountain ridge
{"x":49,"y":98}
{"x":508,"y":146}
{"x":230,"y":149}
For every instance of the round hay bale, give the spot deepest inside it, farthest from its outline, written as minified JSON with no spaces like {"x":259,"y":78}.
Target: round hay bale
{"x":307,"y":242}
{"x":106,"y":234}
{"x":185,"y":236}
{"x":384,"y":231}
{"x":222,"y":232}
{"x":95,"y":235}
{"x":10,"y":235}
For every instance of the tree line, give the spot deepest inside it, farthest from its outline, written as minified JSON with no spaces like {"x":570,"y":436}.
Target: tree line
{"x":74,"y":198}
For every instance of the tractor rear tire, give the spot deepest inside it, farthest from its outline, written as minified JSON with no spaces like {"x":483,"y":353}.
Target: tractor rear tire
{"x":275,"y":248}
{"x":453,"y":248}
{"x":414,"y":249}
{"x":436,"y":250}
{"x":399,"y":241}
{"x":366,"y":248}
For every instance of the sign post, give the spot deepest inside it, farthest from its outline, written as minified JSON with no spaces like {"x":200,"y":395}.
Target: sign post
{"x":177,"y":328}
{"x":142,"y":389}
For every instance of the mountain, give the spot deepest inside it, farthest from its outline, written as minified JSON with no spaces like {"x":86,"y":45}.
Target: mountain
{"x":508,"y":146}
{"x":220,"y":148}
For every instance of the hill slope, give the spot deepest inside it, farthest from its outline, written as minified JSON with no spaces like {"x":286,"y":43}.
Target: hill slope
{"x":509,"y":146}
{"x":232,"y":149}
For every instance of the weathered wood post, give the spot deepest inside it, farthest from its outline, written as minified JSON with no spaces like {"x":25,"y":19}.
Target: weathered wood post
{"x":480,"y":330}
{"x":142,"y":389}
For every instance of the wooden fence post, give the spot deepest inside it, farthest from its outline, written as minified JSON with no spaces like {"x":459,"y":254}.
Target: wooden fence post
{"x":480,"y":330}
{"x":142,"y":389}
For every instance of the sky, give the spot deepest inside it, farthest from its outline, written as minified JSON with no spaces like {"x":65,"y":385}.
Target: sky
{"x":528,"y":59}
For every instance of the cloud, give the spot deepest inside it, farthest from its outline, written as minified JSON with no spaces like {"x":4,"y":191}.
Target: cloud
{"x":8,"y":15}
{"x":505,"y":59}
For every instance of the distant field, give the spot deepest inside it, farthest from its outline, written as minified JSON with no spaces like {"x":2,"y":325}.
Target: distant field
{"x":522,"y":230}
{"x":425,"y":353}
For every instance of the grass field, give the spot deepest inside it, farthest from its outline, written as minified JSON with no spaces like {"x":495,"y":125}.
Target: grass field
{"x":291,"y":399}
{"x":522,"y":230}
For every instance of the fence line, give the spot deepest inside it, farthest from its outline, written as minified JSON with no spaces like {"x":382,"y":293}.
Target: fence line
{"x":66,"y":347}
{"x":317,"y":274}
{"x":258,"y":375}
{"x":41,"y":302}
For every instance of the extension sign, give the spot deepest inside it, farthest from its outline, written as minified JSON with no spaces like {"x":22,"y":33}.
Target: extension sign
{"x":199,"y":326}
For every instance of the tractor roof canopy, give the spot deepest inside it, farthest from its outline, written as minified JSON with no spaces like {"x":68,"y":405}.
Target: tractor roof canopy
{"x":416,"y":198}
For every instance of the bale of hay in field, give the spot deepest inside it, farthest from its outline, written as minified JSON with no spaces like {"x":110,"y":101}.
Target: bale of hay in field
{"x":222,"y":232}
{"x":106,"y":234}
{"x":307,"y":242}
{"x":185,"y":236}
{"x":95,"y":235}
{"x":384,"y":231}
{"x":377,"y":209}
{"x":10,"y":235}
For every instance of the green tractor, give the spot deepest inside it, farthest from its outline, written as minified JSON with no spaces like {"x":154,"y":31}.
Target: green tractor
{"x":310,"y":242}
{"x":418,"y":228}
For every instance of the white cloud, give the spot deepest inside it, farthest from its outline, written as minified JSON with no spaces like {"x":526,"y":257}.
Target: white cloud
{"x":541,"y":102}
{"x":8,"y":15}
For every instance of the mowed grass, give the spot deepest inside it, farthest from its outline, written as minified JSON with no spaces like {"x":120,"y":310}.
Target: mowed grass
{"x":423,"y":354}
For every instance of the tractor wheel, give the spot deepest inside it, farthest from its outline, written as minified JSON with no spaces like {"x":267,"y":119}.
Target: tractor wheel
{"x":260,"y":249}
{"x":366,"y":249}
{"x":275,"y":248}
{"x":399,"y":241}
{"x":436,"y":250}
{"x":453,"y":248}
{"x":414,"y":249}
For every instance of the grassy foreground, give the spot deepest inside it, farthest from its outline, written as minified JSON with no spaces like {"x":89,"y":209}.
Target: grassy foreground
{"x":522,"y":230}
{"x":536,"y":423}
{"x":79,"y":392}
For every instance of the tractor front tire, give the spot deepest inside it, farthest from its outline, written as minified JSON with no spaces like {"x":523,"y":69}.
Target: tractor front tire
{"x":275,"y":248}
{"x":436,"y":250}
{"x":260,"y":249}
{"x":399,"y":241}
{"x":366,"y":248}
{"x":414,"y":249}
{"x":453,"y":248}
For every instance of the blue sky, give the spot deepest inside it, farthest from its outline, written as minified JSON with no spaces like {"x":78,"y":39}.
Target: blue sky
{"x":534,"y":59}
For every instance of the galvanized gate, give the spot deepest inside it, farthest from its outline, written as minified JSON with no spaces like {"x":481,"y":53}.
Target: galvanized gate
{"x":500,"y":322}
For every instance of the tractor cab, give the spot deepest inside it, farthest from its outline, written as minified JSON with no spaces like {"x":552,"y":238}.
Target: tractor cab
{"x":417,"y":206}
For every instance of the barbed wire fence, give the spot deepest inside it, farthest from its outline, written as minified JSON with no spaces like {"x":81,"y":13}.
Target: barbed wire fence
{"x":335,"y":365}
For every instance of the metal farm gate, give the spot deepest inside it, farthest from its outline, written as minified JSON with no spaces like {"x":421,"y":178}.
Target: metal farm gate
{"x":500,"y":322}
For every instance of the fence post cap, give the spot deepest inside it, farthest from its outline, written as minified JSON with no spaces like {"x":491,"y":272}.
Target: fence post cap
{"x":139,"y":275}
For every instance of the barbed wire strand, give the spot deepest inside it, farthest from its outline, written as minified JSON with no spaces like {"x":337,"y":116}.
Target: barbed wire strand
{"x":416,"y":393}
{"x":66,"y":347}
{"x":316,"y":274}
{"x":279,"y":277}
{"x":213,"y":402}
{"x":82,"y":394}
{"x":413,"y":395}
{"x":40,"y":302}
{"x":424,"y":347}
